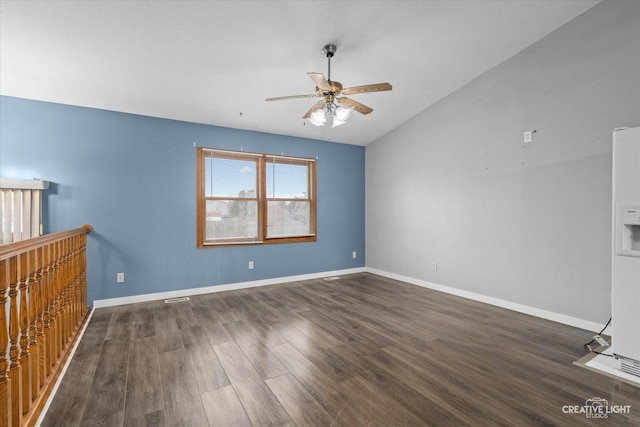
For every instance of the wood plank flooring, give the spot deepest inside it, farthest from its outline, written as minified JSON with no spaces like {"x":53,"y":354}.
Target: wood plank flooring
{"x":360,"y":351}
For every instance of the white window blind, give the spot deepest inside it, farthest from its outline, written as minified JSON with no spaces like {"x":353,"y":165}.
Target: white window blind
{"x":20,"y":209}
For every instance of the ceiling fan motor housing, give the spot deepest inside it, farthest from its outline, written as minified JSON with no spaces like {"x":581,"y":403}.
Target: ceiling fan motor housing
{"x":334,"y":88}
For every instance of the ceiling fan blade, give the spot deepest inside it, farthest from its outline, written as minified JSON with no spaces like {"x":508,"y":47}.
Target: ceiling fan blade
{"x":377,"y":87}
{"x":320,"y":81}
{"x":280,"y":98}
{"x":318,"y":105}
{"x":360,"y":108}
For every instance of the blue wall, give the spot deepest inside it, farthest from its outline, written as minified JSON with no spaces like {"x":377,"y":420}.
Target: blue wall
{"x":133,"y":179}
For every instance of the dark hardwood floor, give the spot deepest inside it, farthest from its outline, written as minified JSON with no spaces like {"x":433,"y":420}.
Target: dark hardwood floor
{"x":363,"y":350}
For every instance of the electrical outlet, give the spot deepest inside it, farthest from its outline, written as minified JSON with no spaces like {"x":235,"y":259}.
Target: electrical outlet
{"x":434,"y":266}
{"x":354,"y":254}
{"x":120,"y":278}
{"x":250,"y":265}
{"x":528,"y":136}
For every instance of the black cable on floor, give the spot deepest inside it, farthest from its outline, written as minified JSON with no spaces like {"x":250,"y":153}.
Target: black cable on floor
{"x":587,"y":346}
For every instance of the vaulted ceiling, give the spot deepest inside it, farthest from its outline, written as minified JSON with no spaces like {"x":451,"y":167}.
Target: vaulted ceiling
{"x":215,"y":62}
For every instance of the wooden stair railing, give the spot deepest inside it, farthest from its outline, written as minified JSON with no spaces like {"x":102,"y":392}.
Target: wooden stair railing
{"x":43,"y":307}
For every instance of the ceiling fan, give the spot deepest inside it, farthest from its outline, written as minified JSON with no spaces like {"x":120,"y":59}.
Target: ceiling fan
{"x":329,"y":91}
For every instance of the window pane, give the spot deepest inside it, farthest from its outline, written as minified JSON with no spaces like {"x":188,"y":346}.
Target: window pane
{"x":228,"y":219}
{"x":229,"y":177}
{"x":287,"y":181}
{"x":288,"y":218}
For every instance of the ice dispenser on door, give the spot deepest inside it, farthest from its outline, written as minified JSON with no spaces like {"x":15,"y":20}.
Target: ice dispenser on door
{"x":628,"y":231}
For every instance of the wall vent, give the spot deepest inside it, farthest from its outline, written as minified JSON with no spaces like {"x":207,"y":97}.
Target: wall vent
{"x":174,"y":300}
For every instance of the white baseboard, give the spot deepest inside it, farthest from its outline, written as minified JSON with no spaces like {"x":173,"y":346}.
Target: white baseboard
{"x":544,"y":314}
{"x":110,"y":302}
{"x":533,"y":311}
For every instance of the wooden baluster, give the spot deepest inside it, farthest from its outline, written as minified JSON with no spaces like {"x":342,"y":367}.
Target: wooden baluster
{"x":57,"y":278}
{"x":42,"y":344}
{"x":60,"y":280}
{"x":53,"y":332}
{"x":14,"y":375}
{"x":79,"y":308}
{"x":33,"y":330}
{"x":73,"y":279}
{"x":83,"y":276}
{"x":4,"y":341}
{"x":72,"y":287}
{"x":23,"y":269}
{"x":46,"y":313}
{"x":60,"y":307}
{"x":58,"y":297}
{"x":85,"y":301}
{"x":79,"y":311}
{"x":61,"y":294}
{"x":64,"y":293}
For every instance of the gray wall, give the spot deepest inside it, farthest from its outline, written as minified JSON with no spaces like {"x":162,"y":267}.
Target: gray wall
{"x":529,"y":225}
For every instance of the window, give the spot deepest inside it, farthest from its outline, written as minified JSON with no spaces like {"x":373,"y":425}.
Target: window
{"x":250,"y":198}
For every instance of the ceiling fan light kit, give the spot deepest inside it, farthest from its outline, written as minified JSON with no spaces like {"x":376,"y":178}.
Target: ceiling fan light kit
{"x":329,"y":90}
{"x":318,"y":118}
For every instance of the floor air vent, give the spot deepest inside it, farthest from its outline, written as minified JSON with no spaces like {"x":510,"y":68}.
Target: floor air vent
{"x":329,"y":279}
{"x":174,"y":300}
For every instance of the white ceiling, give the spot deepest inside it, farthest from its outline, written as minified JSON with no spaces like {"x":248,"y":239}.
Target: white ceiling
{"x":210,"y":61}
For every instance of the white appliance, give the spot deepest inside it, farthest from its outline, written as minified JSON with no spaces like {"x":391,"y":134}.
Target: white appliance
{"x":625,"y":266}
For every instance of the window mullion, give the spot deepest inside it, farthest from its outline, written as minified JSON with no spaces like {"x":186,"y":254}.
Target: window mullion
{"x":262,"y":196}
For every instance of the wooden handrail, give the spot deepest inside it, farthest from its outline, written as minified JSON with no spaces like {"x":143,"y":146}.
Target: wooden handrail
{"x":43,"y":286}
{"x":12,"y":249}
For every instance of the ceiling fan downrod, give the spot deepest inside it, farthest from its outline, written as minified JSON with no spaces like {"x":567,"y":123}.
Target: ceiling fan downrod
{"x":329,"y":50}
